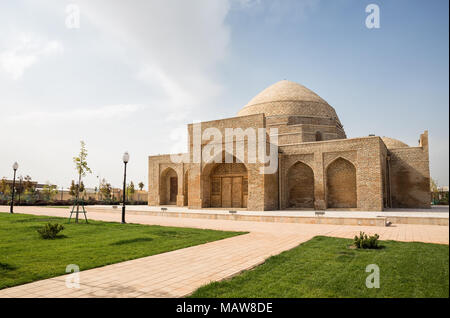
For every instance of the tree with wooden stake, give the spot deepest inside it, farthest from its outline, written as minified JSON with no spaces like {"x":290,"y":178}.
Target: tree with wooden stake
{"x":82,"y":169}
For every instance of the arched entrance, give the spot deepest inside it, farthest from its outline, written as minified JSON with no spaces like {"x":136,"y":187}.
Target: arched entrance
{"x":319,"y":136}
{"x":229,"y":185}
{"x":168,"y":187}
{"x":341,"y":184}
{"x":300,"y":186}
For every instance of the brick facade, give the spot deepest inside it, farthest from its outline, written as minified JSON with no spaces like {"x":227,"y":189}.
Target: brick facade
{"x":318,"y":167}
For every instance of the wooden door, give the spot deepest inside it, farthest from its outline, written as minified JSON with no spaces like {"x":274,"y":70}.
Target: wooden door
{"x":216,"y":197}
{"x":226,"y":192}
{"x":173,"y":189}
{"x":236,"y":193}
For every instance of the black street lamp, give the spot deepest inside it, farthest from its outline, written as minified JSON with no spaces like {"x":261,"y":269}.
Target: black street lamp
{"x":125,"y":158}
{"x":15,"y":167}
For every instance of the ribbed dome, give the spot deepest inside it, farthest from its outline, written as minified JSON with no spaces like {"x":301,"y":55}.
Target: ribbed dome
{"x":392,"y":143}
{"x":288,"y":98}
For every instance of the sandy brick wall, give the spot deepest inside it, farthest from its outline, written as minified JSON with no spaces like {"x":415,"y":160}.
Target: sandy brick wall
{"x":363,"y":153}
{"x":358,"y":173}
{"x":410,"y":176}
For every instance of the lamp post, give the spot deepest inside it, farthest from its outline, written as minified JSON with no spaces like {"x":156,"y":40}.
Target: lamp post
{"x":99,"y":187}
{"x":15,"y":167}
{"x":125,"y":158}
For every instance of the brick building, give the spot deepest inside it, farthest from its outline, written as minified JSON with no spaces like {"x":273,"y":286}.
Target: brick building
{"x":317,"y":166}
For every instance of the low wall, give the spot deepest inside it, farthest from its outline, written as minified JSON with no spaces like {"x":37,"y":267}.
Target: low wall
{"x":417,"y":220}
{"x":368,"y":221}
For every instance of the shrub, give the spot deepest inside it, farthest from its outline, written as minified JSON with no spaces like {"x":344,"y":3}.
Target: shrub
{"x":364,"y":241}
{"x":50,"y":231}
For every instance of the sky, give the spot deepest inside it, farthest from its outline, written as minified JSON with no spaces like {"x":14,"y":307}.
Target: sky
{"x":131,"y":74}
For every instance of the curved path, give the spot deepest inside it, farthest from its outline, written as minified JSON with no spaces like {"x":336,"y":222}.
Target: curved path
{"x":179,"y":273}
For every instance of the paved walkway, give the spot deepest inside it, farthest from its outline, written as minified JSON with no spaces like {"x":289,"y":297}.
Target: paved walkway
{"x":180,"y":272}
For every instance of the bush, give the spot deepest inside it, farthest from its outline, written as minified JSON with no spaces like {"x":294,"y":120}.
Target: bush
{"x":50,"y":231}
{"x":364,"y":241}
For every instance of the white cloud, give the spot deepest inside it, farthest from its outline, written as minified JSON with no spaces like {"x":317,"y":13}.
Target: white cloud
{"x":105,"y":112}
{"x":174,"y":45}
{"x":25,"y":50}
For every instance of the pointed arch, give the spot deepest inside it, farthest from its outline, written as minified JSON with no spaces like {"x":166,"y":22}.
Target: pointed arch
{"x":168,"y":186}
{"x":319,"y":136}
{"x":225,"y":184}
{"x":300,"y":186}
{"x":341,"y":184}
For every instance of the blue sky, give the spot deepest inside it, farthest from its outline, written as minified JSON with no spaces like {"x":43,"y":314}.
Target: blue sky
{"x":136,"y":72}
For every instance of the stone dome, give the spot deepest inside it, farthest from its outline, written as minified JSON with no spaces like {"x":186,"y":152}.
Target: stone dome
{"x":392,"y":143}
{"x":288,"y":98}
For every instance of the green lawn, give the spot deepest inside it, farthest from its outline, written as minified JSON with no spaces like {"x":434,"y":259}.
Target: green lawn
{"x":326,"y":267}
{"x":25,"y":257}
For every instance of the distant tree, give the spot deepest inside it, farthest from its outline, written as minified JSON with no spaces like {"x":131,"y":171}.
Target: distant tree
{"x":83,"y":189}
{"x":19,"y":186}
{"x":29,"y":189}
{"x":434,"y":191}
{"x":141,"y":185}
{"x":48,"y":191}
{"x":28,"y":185}
{"x":130,"y":190}
{"x":433,"y":185}
{"x":28,"y":193}
{"x":5,"y":189}
{"x":73,"y":189}
{"x":105,"y":189}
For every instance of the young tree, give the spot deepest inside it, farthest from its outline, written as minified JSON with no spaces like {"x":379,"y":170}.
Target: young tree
{"x":141,"y":185}
{"x":82,"y":169}
{"x":81,"y":165}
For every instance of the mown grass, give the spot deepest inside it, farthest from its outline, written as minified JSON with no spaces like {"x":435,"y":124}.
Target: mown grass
{"x":25,"y":257}
{"x":326,"y":267}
